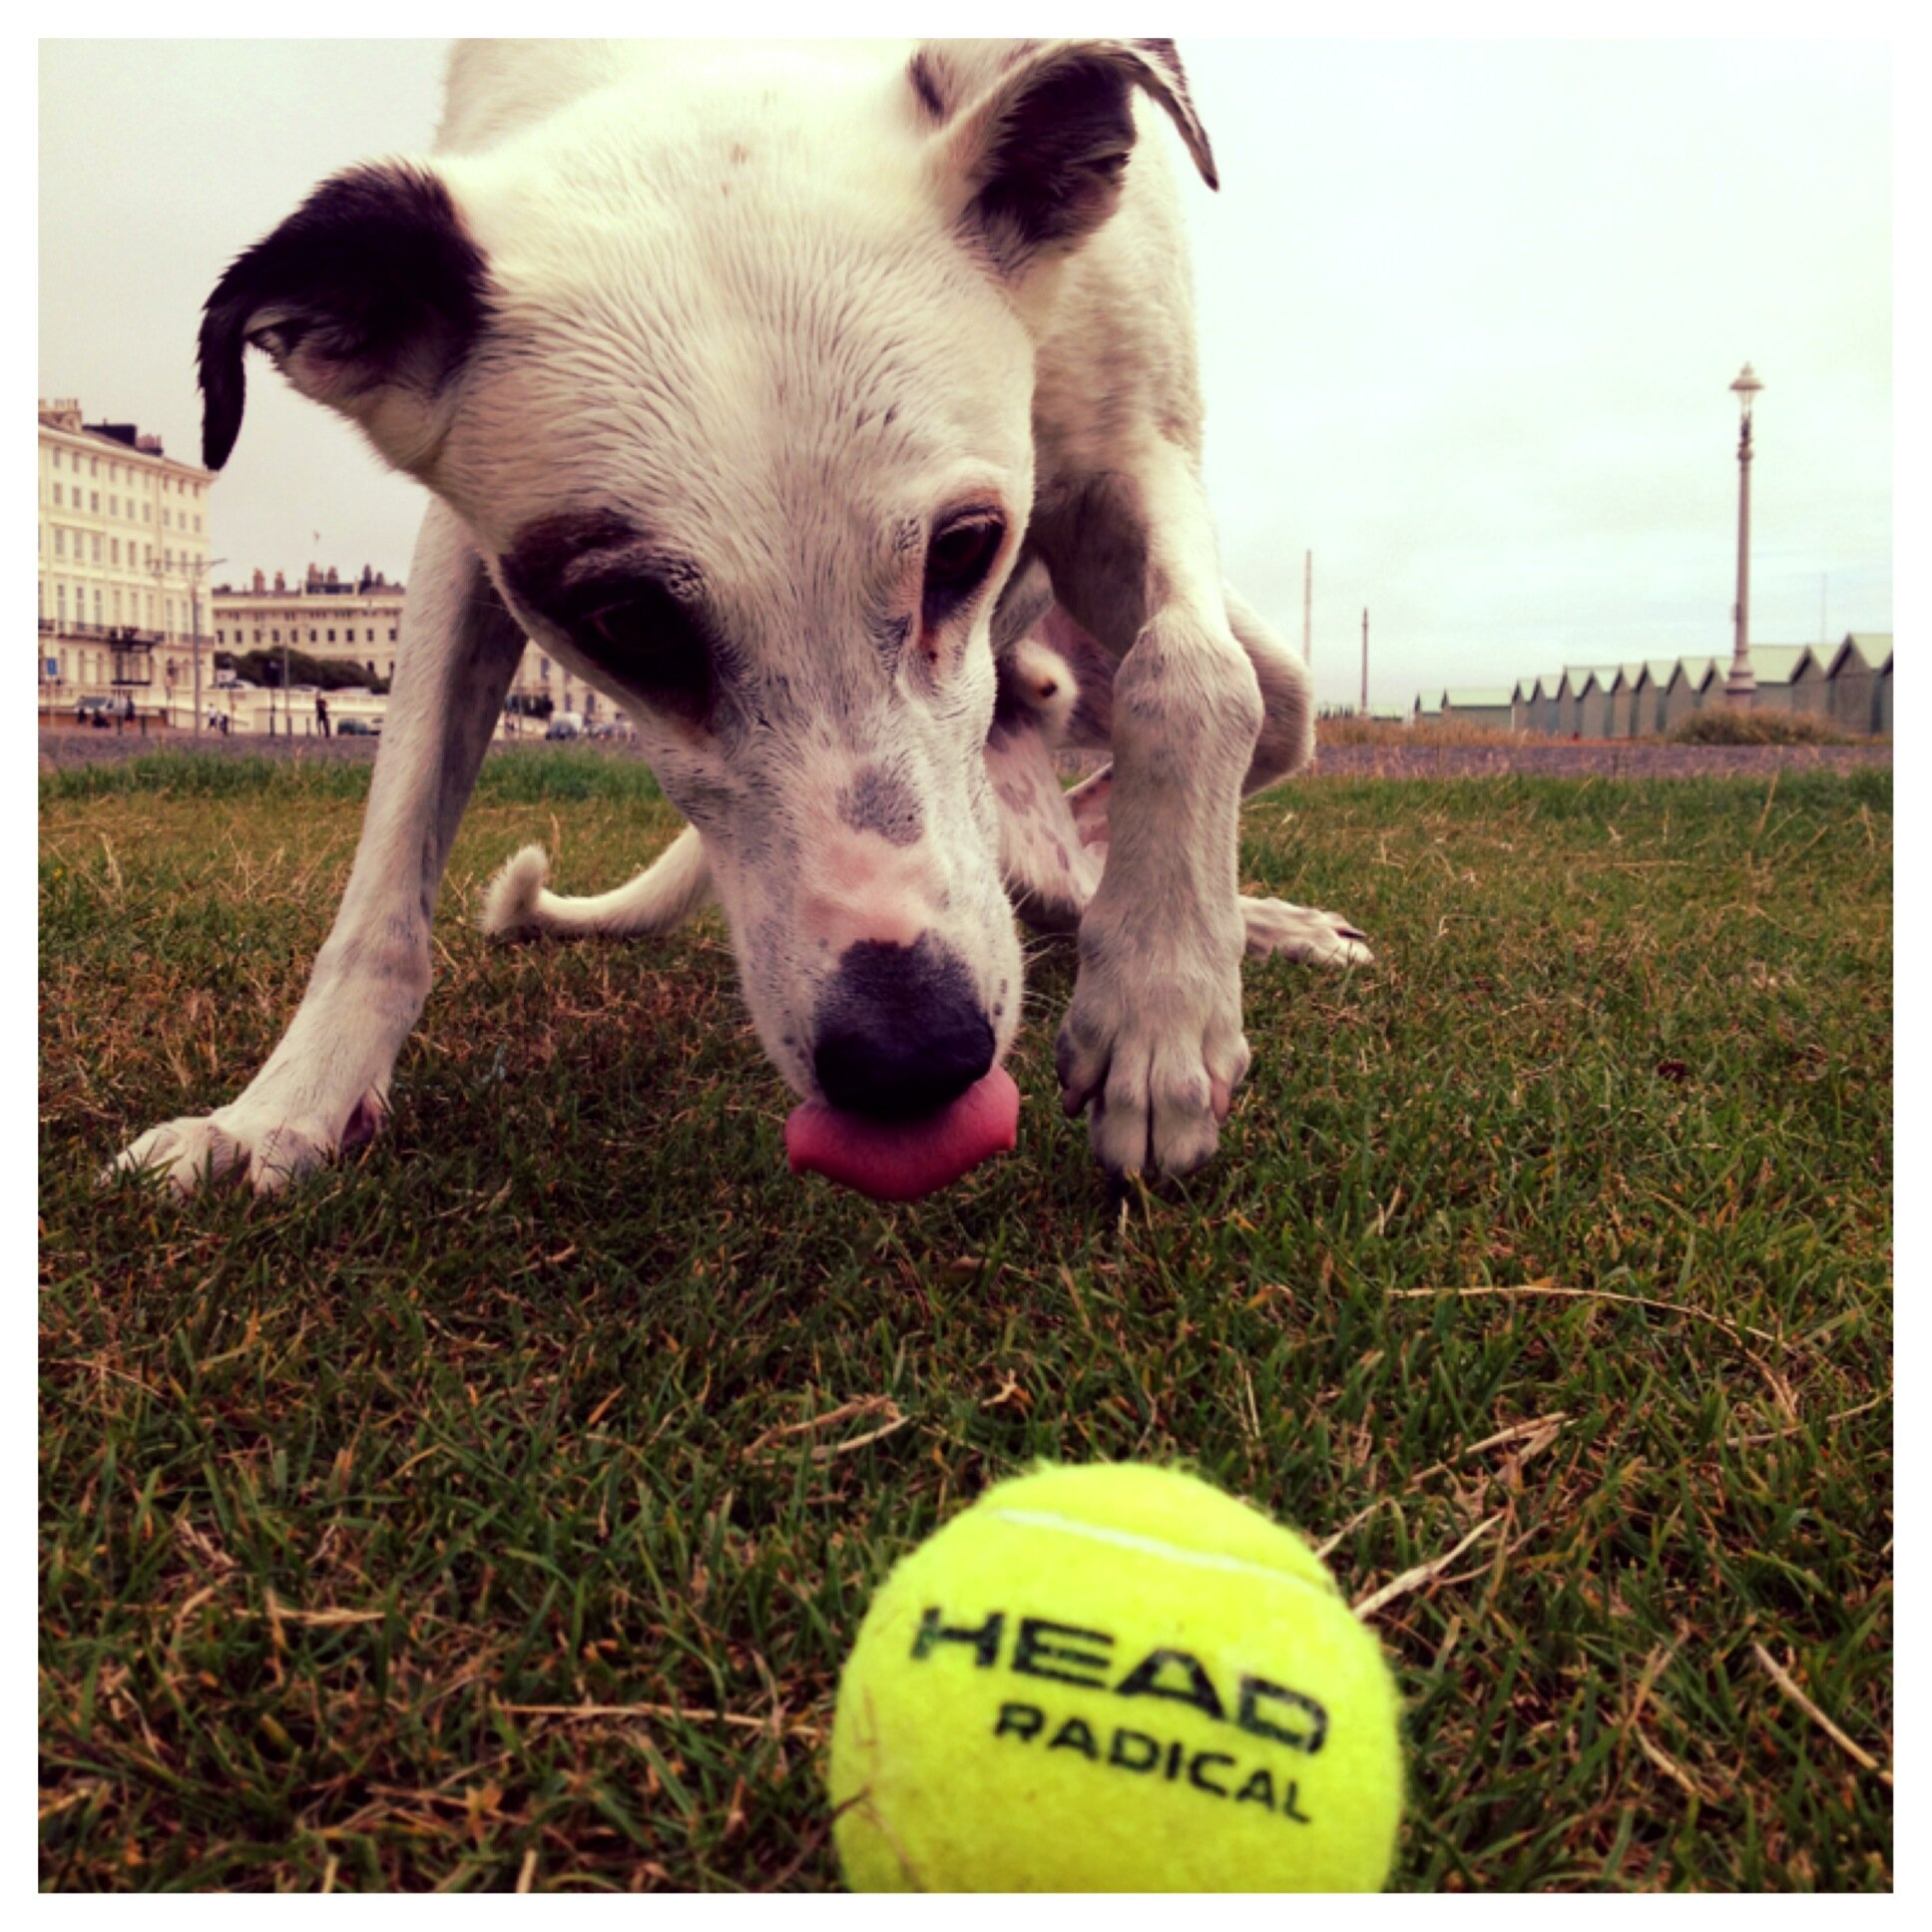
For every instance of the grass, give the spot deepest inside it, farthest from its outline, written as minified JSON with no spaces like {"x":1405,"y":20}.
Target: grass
{"x":1718,"y":725}
{"x":1558,"y":1239}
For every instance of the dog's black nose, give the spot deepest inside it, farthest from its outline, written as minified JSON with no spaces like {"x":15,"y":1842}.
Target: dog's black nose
{"x":900,"y":1031}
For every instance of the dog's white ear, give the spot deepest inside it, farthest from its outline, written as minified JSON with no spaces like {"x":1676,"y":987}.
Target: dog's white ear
{"x":1035,"y":135}
{"x":367,"y":299}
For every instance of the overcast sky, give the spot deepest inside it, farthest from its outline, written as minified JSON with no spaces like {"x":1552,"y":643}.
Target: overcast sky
{"x":1469,"y":317}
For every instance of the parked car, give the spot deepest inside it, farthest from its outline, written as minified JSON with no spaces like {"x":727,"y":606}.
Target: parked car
{"x":358,"y":727}
{"x":565,"y":724}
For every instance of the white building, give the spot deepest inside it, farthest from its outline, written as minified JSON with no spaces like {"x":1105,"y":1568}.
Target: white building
{"x":358,"y":622}
{"x":354,"y":623}
{"x":123,"y":552}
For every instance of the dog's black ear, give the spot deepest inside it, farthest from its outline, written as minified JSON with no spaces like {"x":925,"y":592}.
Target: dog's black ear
{"x":1038,"y":133}
{"x":367,"y":299}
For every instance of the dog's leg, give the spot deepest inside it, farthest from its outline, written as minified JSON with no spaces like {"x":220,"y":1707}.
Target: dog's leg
{"x":662,"y":896}
{"x":1273,"y":926}
{"x":1286,"y":746}
{"x":1151,"y":1044}
{"x":326,"y":1084}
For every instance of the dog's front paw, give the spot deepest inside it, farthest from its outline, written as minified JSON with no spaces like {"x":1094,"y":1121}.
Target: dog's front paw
{"x":1152,"y":1048}
{"x":239,"y":1142}
{"x":1302,"y":933}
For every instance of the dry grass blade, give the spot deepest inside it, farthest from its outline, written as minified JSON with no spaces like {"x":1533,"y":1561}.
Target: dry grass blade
{"x":1590,"y":1294}
{"x":1782,"y":1679}
{"x":845,"y":1412}
{"x":776,"y":1726}
{"x":1675,"y":1772}
{"x":1422,"y":1573}
{"x":1797,"y":1427}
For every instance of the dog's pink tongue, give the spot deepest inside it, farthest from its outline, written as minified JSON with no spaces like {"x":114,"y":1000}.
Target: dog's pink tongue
{"x":906,"y":1159}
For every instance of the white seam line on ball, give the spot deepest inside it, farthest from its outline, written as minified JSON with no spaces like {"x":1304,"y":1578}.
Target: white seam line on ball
{"x":1169,"y":1551}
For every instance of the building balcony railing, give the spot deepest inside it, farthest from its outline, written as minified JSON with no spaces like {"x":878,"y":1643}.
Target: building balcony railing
{"x":111,"y":632}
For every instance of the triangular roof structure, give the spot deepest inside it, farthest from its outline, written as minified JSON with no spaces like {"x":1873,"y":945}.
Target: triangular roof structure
{"x":1577,"y":677}
{"x":1777,"y":664}
{"x":1869,"y":647}
{"x":1696,"y":671}
{"x":1656,"y":670}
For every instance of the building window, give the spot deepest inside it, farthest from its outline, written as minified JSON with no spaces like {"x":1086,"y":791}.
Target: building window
{"x":60,"y":541}
{"x":312,"y":634}
{"x":57,"y":496}
{"x":97,"y":546}
{"x":94,"y":501}
{"x":331,"y":636}
{"x":392,"y":634}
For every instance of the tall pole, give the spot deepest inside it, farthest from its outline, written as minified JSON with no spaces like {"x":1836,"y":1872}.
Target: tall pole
{"x":194,"y":618}
{"x":1741,"y":688}
{"x":159,"y":569}
{"x":197,"y":568}
{"x":1309,"y":608}
{"x":1364,"y":663}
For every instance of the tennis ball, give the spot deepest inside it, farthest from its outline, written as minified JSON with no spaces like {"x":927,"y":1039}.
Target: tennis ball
{"x":1113,"y":1679}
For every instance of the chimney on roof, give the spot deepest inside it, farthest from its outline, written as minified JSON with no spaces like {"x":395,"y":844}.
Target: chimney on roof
{"x":260,"y":585}
{"x":282,"y":586}
{"x":149,"y":445}
{"x":333,"y":580}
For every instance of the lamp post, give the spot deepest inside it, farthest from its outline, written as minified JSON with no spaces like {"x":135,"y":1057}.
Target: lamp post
{"x":192,"y":569}
{"x":1741,"y":688}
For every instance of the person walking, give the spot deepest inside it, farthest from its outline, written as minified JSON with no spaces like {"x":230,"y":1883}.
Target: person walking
{"x":321,"y":713}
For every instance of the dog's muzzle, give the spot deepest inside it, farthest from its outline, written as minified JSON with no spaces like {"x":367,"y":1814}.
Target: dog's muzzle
{"x":900,"y":1032}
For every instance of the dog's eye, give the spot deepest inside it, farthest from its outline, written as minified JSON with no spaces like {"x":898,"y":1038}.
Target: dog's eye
{"x":957,"y":561}
{"x":647,"y":639}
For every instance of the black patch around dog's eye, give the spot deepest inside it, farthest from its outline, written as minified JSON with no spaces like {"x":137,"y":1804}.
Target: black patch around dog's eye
{"x":957,"y":561}
{"x":651,"y":642}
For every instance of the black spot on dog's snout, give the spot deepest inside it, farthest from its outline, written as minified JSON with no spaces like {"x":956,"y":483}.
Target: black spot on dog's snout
{"x":900,"y":1031}
{"x":876,"y":801}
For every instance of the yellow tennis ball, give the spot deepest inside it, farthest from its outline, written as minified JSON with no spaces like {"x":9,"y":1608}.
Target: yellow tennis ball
{"x":1115,"y":1679}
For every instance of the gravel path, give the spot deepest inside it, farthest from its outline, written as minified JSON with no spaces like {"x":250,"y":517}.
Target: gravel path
{"x":63,"y":745}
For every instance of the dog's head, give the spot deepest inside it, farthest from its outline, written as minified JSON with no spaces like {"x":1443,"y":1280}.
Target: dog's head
{"x":729,"y":371}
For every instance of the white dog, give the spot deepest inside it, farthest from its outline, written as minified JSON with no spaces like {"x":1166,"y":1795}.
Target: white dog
{"x":776,"y":390}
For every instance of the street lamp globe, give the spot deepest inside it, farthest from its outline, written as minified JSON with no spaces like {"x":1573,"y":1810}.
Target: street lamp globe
{"x":1746,"y":389}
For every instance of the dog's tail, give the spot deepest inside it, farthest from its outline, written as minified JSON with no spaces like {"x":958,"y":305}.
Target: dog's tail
{"x":518,"y":906}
